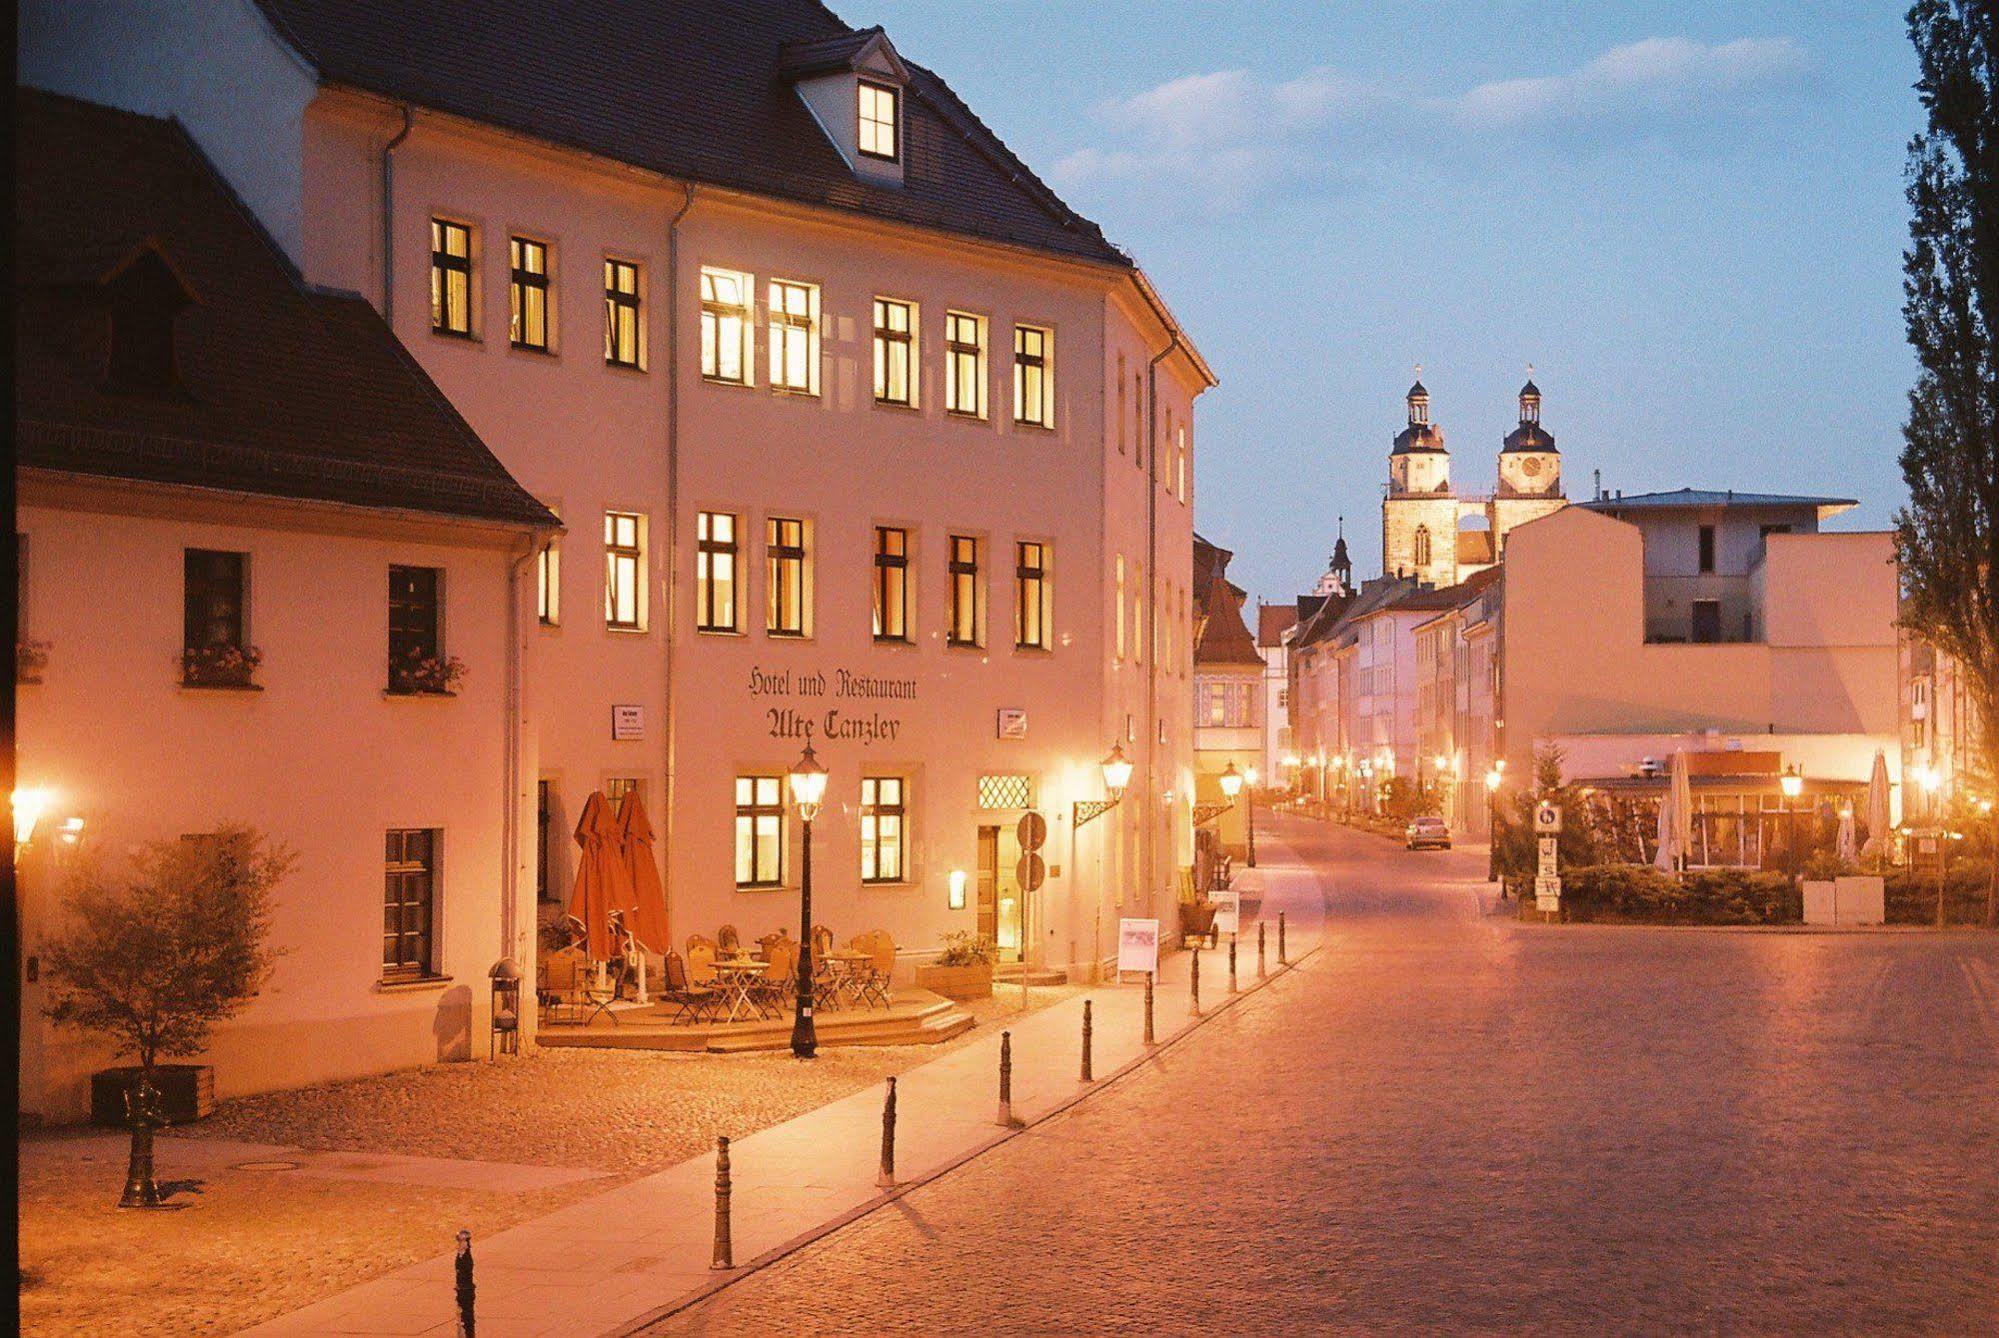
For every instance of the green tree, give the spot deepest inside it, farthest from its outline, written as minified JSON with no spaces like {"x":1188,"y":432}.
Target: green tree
{"x":1948,"y":534}
{"x":155,"y":960}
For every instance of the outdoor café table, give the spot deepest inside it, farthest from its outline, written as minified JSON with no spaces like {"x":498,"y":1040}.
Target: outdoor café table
{"x":846,"y":965}
{"x":737,"y":975}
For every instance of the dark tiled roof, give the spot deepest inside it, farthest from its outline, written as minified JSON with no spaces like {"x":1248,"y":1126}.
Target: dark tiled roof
{"x":1418,"y":437}
{"x":284,"y":391}
{"x":695,"y":89}
{"x":1528,"y":437}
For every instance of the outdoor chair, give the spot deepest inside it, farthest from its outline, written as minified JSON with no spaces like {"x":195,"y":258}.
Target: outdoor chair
{"x":776,"y":936}
{"x":691,"y":1003}
{"x":701,"y":963}
{"x":778,"y":982}
{"x":561,"y":973}
{"x":872,"y":981}
{"x":726,"y":940}
{"x":694,"y":940}
{"x":822,"y":941}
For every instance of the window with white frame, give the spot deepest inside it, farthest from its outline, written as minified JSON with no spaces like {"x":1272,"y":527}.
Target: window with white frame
{"x":715,"y":568}
{"x":787,"y":577}
{"x":1032,"y":599}
{"x":793,"y":351}
{"x":891,"y":603}
{"x":879,"y":126}
{"x":884,"y":835}
{"x":727,"y":317}
{"x":1034,"y":376}
{"x":967,"y":624}
{"x":964,"y":364}
{"x":759,"y":831}
{"x":624,"y":571}
{"x":895,"y":352}
{"x":624,"y":344}
{"x":548,"y":584}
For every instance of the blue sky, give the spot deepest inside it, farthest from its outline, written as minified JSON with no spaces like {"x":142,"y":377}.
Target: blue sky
{"x":1688,"y":217}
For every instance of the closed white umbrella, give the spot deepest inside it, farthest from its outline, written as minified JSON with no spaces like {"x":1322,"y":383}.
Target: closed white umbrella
{"x":1683,"y":811}
{"x":1664,"y":859}
{"x":1877,"y":807}
{"x":1847,"y":851}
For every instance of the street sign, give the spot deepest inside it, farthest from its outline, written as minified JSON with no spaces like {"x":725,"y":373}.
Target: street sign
{"x":1031,"y":872}
{"x":1548,"y":894}
{"x":1547,"y":818}
{"x":1549,"y":845}
{"x":1228,"y":908}
{"x":1032,"y":831}
{"x":1012,"y":722}
{"x":628,"y":722}
{"x":1137,"y":946}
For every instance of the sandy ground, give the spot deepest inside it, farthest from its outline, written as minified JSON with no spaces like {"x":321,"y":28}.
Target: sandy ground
{"x":252,"y":1244}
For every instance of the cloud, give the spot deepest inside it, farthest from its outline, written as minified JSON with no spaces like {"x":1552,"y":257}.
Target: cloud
{"x":1223,"y":136}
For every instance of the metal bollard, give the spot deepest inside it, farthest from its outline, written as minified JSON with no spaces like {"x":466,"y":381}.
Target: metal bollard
{"x":1260,"y":972}
{"x":466,"y":1290}
{"x":1194,"y":986}
{"x":1232,"y":988}
{"x":1282,"y":960}
{"x":886,"y":1180}
{"x":1148,"y":1008}
{"x":1086,"y":1042}
{"x":1005,"y":1118}
{"x":725,"y":1250}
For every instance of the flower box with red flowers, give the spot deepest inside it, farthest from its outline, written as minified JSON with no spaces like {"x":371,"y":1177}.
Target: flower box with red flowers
{"x":220,"y":666}
{"x":426,"y":675}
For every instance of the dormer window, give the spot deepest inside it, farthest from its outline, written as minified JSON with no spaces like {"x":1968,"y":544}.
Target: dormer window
{"x":143,"y":298}
{"x":880,"y":108}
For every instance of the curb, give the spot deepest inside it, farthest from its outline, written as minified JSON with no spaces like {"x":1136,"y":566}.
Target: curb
{"x":860,"y":1210}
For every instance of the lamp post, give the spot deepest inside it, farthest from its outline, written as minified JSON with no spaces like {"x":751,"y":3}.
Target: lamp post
{"x":1250,"y":778}
{"x":1231,"y":783}
{"x":808,"y":787}
{"x":1792,"y":785}
{"x":1492,"y":780}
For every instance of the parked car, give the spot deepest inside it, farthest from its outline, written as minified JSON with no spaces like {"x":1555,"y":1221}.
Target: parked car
{"x":1428,"y":832}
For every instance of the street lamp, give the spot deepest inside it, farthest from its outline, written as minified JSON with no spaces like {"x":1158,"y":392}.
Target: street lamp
{"x":29,"y":805}
{"x":808,"y":787}
{"x":1249,"y":774}
{"x":1792,"y":785}
{"x":1492,"y":779}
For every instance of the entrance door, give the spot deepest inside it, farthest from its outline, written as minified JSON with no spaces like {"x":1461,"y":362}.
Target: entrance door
{"x":999,"y":891}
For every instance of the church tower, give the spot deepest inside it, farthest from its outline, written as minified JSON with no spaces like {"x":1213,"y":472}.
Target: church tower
{"x":1338,"y":579}
{"x":1419,"y":516}
{"x":1530,"y":471}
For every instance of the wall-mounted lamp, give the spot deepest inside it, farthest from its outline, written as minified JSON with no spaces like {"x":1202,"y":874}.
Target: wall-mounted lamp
{"x":957,"y":889}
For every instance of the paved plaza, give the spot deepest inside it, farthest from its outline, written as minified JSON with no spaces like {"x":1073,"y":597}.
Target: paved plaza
{"x":1448,"y":1121}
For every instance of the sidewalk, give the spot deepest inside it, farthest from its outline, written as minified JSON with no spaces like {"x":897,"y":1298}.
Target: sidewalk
{"x":609,"y":1263}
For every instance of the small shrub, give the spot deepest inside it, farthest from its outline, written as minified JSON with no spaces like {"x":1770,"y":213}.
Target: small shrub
{"x":965,"y":948}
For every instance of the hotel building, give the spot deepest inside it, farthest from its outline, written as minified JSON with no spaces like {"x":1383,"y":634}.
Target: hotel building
{"x":860,"y":436}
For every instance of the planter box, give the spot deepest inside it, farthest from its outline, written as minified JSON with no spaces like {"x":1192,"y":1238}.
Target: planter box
{"x":1821,"y":903}
{"x":1197,"y":919}
{"x":187,"y":1092}
{"x":1859,"y":899}
{"x":957,"y":982}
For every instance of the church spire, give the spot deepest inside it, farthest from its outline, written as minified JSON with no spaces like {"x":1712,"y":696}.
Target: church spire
{"x":1530,"y":400}
{"x":1419,"y":401}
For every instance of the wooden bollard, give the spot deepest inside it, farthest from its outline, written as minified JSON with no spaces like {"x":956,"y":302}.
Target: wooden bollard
{"x":1282,"y":960}
{"x":725,"y":1250}
{"x":1148,"y":1008}
{"x":1194,"y":985}
{"x":1232,"y":988}
{"x":1260,"y":972}
{"x":466,"y":1290}
{"x":1086,"y":1042}
{"x":886,"y":1180}
{"x":1005,"y":1118}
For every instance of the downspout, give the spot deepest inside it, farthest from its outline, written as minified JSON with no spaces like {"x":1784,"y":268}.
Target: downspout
{"x":1148,"y":830}
{"x":389,"y":218}
{"x":511,"y":944}
{"x":671,"y":566}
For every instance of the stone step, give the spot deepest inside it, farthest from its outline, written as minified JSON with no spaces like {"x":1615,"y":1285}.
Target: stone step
{"x":1009,"y":972}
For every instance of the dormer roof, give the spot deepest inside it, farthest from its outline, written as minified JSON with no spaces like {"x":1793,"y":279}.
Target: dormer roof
{"x":865,"y":52}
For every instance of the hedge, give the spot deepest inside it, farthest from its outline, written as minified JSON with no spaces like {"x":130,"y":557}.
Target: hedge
{"x":1641,"y":894}
{"x":1913,"y":901}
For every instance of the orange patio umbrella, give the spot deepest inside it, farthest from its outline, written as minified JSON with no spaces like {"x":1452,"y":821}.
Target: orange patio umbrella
{"x":645,"y":913}
{"x":603,"y":877}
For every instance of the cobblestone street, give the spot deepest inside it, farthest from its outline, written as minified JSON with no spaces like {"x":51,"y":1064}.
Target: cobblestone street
{"x":1450,"y":1121}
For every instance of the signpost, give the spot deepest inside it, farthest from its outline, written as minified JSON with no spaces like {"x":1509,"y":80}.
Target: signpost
{"x":1137,"y":946}
{"x":1547,"y":875}
{"x":1030,"y":872}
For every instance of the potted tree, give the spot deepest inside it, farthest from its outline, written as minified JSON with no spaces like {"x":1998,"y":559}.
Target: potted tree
{"x":963,"y":970}
{"x":152,"y":962}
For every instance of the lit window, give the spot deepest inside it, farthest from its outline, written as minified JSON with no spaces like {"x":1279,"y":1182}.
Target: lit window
{"x":623,"y":346}
{"x":450,"y":278}
{"x":966,"y":624}
{"x":624,"y":570}
{"x":895,"y":352}
{"x":1138,"y":614}
{"x":726,"y":322}
{"x":527,"y":293}
{"x":1181,"y":463}
{"x":1033,"y":376}
{"x":409,"y":899}
{"x":1120,"y":606}
{"x":715,"y":572}
{"x":759,"y":830}
{"x":785,"y":559}
{"x":617,"y":787}
{"x":965,"y":364}
{"x":548,"y":584}
{"x":883,"y":839}
{"x":794,"y":337}
{"x":1030,"y":607}
{"x":878,"y":120}
{"x":891,"y":584}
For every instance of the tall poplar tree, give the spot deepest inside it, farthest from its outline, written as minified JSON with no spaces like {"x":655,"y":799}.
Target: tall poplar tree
{"x":1948,"y":535}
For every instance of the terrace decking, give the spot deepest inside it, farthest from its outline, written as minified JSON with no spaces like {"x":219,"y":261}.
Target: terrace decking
{"x":917,"y":1017}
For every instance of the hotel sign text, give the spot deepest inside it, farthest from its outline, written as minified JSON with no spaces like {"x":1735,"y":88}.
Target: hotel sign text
{"x":802,"y":717}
